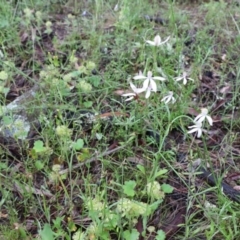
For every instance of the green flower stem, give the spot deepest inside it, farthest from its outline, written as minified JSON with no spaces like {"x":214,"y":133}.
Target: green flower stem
{"x":155,"y":67}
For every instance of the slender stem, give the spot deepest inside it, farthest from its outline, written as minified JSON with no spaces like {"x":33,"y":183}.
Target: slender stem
{"x":155,"y":67}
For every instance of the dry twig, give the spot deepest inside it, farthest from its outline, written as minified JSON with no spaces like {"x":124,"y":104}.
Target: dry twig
{"x":95,"y":158}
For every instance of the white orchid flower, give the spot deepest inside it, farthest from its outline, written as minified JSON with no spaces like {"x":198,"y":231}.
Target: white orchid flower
{"x":134,"y":94}
{"x":203,"y":115}
{"x":169,"y":98}
{"x":149,"y":83}
{"x":157,"y":41}
{"x":183,"y":78}
{"x":196,"y":128}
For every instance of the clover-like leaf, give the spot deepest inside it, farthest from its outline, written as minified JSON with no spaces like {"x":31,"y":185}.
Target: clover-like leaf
{"x":3,"y":75}
{"x":131,"y":235}
{"x":39,"y":165}
{"x":46,"y":233}
{"x":78,"y":144}
{"x":88,"y":104}
{"x":38,"y":146}
{"x":128,"y":188}
{"x":167,"y":188}
{"x":160,"y":235}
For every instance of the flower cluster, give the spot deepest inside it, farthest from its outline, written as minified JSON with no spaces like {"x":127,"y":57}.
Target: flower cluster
{"x":149,"y":81}
{"x":130,"y":208}
{"x":94,"y":204}
{"x":154,"y":190}
{"x":150,"y":86}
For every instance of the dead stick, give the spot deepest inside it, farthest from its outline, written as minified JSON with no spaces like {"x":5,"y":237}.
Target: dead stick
{"x":91,"y":160}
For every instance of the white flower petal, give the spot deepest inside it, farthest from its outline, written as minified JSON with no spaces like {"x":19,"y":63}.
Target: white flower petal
{"x":192,"y":130}
{"x":159,"y":78}
{"x":157,"y":40}
{"x":204,"y":111}
{"x":178,"y":79}
{"x":198,"y":130}
{"x":135,"y":89}
{"x":199,"y":118}
{"x":149,"y":74}
{"x":165,"y":40}
{"x":128,"y":94}
{"x":209,"y":120}
{"x":168,"y":99}
{"x":184,"y":81}
{"x":151,"y":43}
{"x":171,"y":97}
{"x":116,"y":8}
{"x":197,"y":125}
{"x":163,"y":99}
{"x":129,"y":99}
{"x":153,"y":85}
{"x":199,"y":133}
{"x":140,"y":90}
{"x":139,"y":77}
{"x":146,"y":84}
{"x":148,"y":93}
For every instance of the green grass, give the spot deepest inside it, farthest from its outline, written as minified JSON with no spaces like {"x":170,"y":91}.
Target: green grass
{"x":63,"y":181}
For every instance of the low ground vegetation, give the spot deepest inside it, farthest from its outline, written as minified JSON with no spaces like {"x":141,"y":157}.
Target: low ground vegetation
{"x":113,"y":117}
